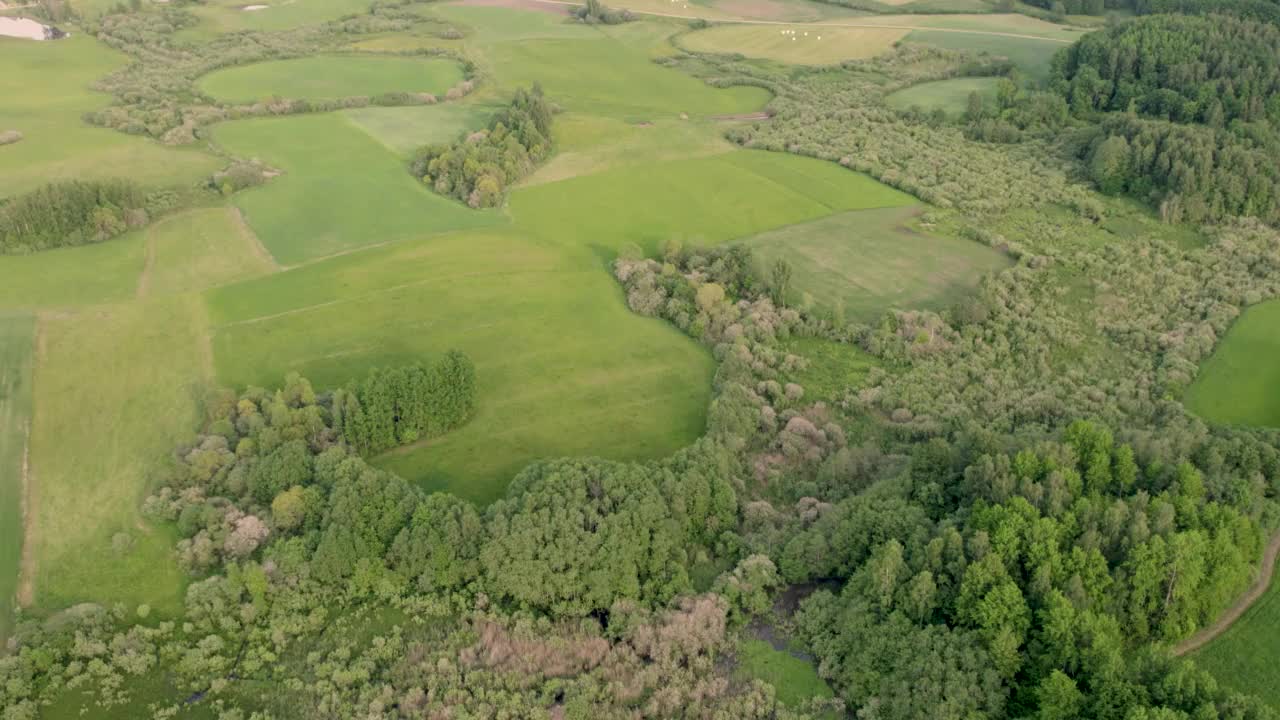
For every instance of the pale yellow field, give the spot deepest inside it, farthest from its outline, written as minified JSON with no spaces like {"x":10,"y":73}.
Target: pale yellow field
{"x":796,"y":44}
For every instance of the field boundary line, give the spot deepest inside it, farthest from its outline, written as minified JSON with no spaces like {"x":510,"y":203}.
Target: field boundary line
{"x":255,"y":243}
{"x":1239,"y":607}
{"x":26,"y":594}
{"x":865,"y":26}
{"x":148,"y":265}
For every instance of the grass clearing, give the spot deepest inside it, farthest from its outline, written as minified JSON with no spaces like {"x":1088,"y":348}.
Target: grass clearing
{"x":45,"y":86}
{"x":88,"y":274}
{"x":353,"y":194}
{"x":833,"y":367}
{"x":587,"y":144}
{"x":703,"y":200}
{"x":874,"y":259}
{"x":405,"y":129}
{"x":223,"y":16}
{"x":529,"y":315}
{"x":1240,"y":383}
{"x":17,"y":335}
{"x":795,"y":678}
{"x":951,"y":96}
{"x":198,"y":249}
{"x":1242,"y":658}
{"x":1032,"y":56}
{"x":326,"y":77}
{"x":794,"y":44}
{"x":116,"y":388}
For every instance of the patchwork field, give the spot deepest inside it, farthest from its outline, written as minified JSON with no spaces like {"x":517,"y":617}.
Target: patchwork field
{"x":1240,"y":383}
{"x":951,"y":96}
{"x":795,"y":44}
{"x":17,"y":333}
{"x":873,"y":259}
{"x":327,"y":77}
{"x":355,"y":193}
{"x":45,"y":87}
{"x":704,"y":200}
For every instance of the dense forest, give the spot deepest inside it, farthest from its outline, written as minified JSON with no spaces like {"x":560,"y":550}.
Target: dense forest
{"x":478,"y":168}
{"x":70,"y":213}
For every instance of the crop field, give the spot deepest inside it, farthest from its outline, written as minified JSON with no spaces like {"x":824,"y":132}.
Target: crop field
{"x":316,"y":209}
{"x":1238,"y":384}
{"x":873,"y":259}
{"x":794,"y":44}
{"x":704,"y":200}
{"x":951,"y":96}
{"x":17,"y":333}
{"x":45,"y":87}
{"x":1243,"y":657}
{"x":327,"y":77}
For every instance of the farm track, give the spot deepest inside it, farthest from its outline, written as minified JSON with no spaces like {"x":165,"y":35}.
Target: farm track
{"x":868,"y":26}
{"x":1246,"y":601}
{"x":26,"y":592}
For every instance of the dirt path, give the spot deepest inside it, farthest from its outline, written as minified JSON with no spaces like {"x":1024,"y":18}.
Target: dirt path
{"x":1243,"y":603}
{"x":991,"y":33}
{"x":26,"y":594}
{"x":741,"y":116}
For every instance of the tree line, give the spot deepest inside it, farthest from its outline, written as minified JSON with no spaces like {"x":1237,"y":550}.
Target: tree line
{"x":72,"y":212}
{"x":401,"y":405}
{"x":479,"y":167}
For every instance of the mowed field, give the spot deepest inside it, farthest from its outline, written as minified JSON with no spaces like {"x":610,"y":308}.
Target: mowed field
{"x":332,"y":76}
{"x":17,"y":334}
{"x":1240,"y":383}
{"x":795,"y":44}
{"x":950,"y":96}
{"x":340,"y":190}
{"x":1243,"y":657}
{"x":45,"y":90}
{"x":871,"y":260}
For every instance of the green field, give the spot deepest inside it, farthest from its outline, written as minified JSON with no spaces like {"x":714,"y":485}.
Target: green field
{"x":1240,"y":383}
{"x":795,"y":679}
{"x":104,"y":272}
{"x":17,"y":333}
{"x":327,"y":77}
{"x":405,"y":129}
{"x":703,"y":201}
{"x":832,"y":367}
{"x":951,"y":96}
{"x":874,"y":259}
{"x":1242,"y":658}
{"x":795,"y":44}
{"x":45,"y":87}
{"x":222,"y":16}
{"x":353,"y":194}
{"x":1031,"y":55}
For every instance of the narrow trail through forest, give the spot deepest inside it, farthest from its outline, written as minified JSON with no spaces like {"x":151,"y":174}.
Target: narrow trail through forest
{"x":1245,"y":601}
{"x":870,"y":26}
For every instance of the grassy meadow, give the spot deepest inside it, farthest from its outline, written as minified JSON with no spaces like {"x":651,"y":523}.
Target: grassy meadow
{"x":1240,"y":383}
{"x":354,"y":194}
{"x":405,"y":129}
{"x":795,"y":678}
{"x":1033,"y":56}
{"x":326,"y":77}
{"x":104,"y":272}
{"x":1242,"y":658}
{"x":45,"y":87}
{"x":873,"y":259}
{"x":17,"y":335}
{"x":796,"y":44}
{"x":951,"y":96}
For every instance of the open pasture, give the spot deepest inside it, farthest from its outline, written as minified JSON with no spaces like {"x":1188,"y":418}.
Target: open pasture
{"x":950,"y":96}
{"x":199,"y":249}
{"x":601,"y":71}
{"x":1033,"y":56}
{"x":405,"y":129}
{"x":531,"y":316}
{"x":871,"y":260}
{"x":45,"y":91}
{"x":1240,"y":383}
{"x":701,"y":201}
{"x":88,"y":274}
{"x":352,"y":194}
{"x":794,"y":44}
{"x":223,"y":16}
{"x":325,"y":77}
{"x":17,"y":333}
